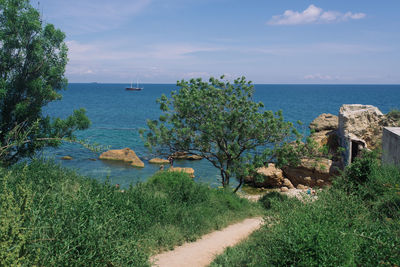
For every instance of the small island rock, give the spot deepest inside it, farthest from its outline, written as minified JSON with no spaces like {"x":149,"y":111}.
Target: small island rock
{"x":158,"y":161}
{"x":186,"y":156}
{"x":66,"y":158}
{"x":126,"y":155}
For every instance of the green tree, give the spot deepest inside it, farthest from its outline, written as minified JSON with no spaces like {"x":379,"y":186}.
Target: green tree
{"x":33,"y":56}
{"x":220,"y":122}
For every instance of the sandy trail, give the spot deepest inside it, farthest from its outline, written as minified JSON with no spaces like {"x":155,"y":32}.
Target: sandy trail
{"x":203,"y":251}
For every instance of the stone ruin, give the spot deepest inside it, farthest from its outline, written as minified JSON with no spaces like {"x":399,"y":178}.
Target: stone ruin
{"x":357,"y":127}
{"x":360,"y":127}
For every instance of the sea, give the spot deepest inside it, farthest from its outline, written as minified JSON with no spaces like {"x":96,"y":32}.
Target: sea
{"x":117,"y":116}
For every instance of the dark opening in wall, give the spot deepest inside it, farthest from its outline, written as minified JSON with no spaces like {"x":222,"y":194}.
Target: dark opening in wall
{"x":356,"y":148}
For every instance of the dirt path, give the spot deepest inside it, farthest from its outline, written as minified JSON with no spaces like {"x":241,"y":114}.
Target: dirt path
{"x":203,"y":251}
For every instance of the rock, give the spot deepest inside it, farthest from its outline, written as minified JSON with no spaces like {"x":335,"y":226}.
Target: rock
{"x":194,"y":157}
{"x":126,"y":155}
{"x":308,"y":180}
{"x":325,"y":122}
{"x":328,"y":138}
{"x":287,"y":183}
{"x":284,"y":189}
{"x":66,"y":158}
{"x":159,"y":161}
{"x":185,"y":155}
{"x":269,"y":176}
{"x":320,"y":182}
{"x":360,"y":127}
{"x":92,"y":159}
{"x":189,"y":171}
{"x":301,"y":187}
{"x":310,"y":168}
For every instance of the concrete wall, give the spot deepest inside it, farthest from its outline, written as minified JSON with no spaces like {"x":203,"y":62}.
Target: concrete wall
{"x":391,"y":145}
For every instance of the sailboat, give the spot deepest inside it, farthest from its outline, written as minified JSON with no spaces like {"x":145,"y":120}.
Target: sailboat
{"x":137,"y":88}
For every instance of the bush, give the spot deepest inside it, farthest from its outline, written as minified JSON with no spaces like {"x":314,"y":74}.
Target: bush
{"x":394,"y":114}
{"x":341,"y":228}
{"x":268,"y":199}
{"x":77,"y":221}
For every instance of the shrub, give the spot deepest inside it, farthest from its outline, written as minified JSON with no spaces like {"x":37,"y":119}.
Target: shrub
{"x":78,"y":221}
{"x":268,"y":199}
{"x":357,"y":225}
{"x":394,"y":114}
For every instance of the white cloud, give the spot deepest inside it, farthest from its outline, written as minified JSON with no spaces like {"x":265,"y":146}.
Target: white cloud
{"x":312,"y":15}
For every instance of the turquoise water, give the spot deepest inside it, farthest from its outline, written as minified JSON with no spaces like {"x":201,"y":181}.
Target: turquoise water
{"x":117,"y":115}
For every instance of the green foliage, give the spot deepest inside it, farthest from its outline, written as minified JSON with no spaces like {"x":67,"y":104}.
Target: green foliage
{"x":357,"y":176}
{"x":32,"y":65}
{"x":340,"y":228}
{"x":219,"y":121}
{"x":79,"y":222}
{"x":14,"y":209}
{"x":267,"y":201}
{"x":394,"y":114}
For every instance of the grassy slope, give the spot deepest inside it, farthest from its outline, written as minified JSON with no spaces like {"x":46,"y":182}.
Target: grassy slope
{"x":54,"y":217}
{"x":352,"y":224}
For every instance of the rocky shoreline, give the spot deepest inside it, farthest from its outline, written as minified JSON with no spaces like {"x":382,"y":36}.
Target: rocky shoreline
{"x":342,"y":138}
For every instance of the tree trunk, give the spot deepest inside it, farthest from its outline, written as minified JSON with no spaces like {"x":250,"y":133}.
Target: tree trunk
{"x":240,"y":184}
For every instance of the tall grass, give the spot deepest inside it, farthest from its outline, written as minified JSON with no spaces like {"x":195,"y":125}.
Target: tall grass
{"x":355,"y":223}
{"x":51,"y":216}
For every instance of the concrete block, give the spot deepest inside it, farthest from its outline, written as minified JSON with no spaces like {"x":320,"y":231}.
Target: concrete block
{"x":391,"y":145}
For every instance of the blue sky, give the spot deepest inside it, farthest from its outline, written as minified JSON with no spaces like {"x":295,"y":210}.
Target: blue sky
{"x":162,"y":41}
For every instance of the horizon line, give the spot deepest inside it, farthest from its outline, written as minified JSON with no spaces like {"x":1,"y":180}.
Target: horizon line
{"x":251,"y":83}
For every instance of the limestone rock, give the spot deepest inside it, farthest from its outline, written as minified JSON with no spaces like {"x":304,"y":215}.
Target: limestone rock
{"x":186,"y":156}
{"x":311,"y":169}
{"x":272,"y":176}
{"x":194,"y":157}
{"x":126,"y":155}
{"x":189,"y":171}
{"x":269,"y":176}
{"x":308,"y":180}
{"x":284,"y":189}
{"x":159,"y":161}
{"x":328,"y":138}
{"x":287,"y":183}
{"x":300,"y":186}
{"x":66,"y":158}
{"x":325,"y":122}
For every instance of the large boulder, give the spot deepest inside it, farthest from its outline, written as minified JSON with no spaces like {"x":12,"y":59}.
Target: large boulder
{"x":126,"y":155}
{"x":269,"y":176}
{"x":159,"y":161}
{"x":326,"y":138}
{"x":325,"y":122}
{"x":189,"y":171}
{"x":310,"y":171}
